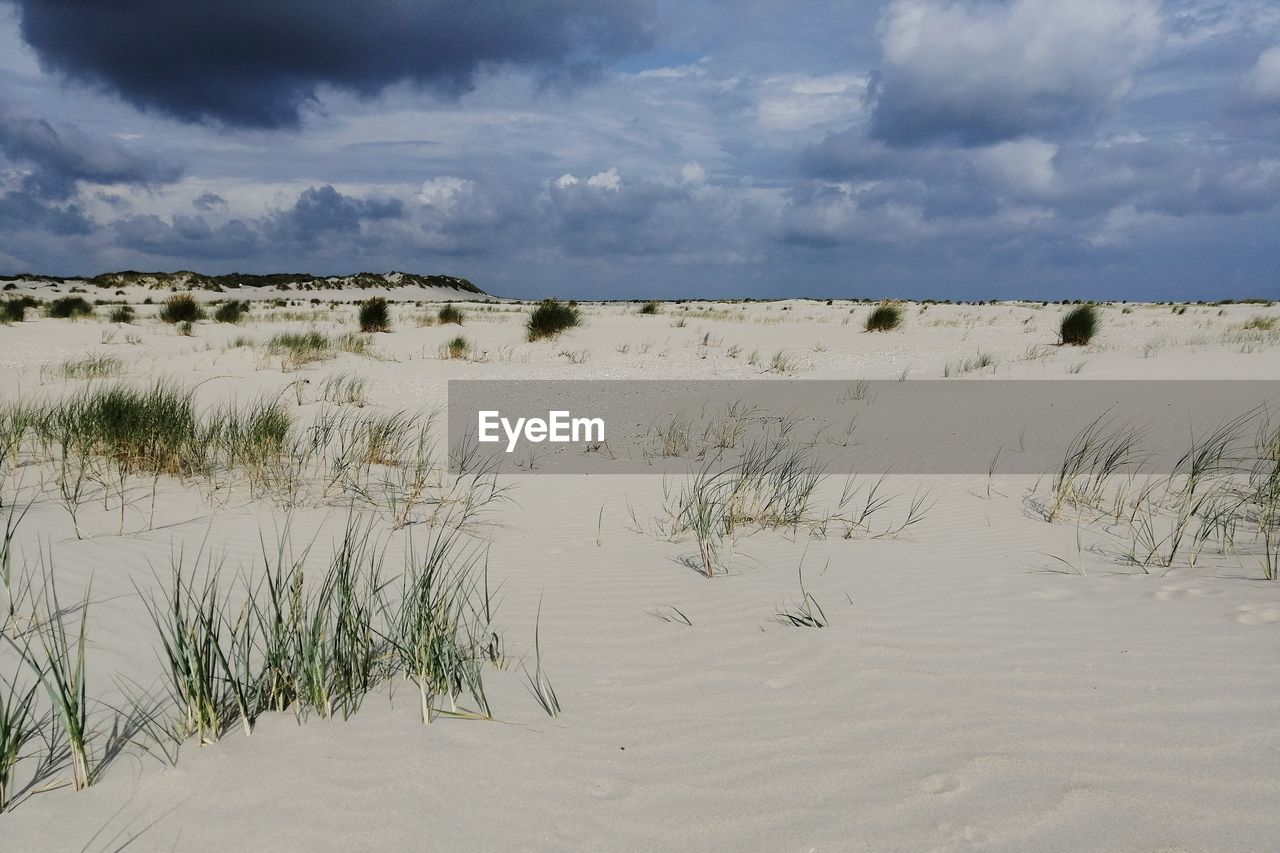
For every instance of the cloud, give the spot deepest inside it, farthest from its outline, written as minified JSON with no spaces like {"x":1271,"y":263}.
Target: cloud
{"x":187,"y":237}
{"x":209,"y":201}
{"x":1263,"y":80}
{"x":58,"y":155}
{"x":981,"y":72}
{"x":320,"y":212}
{"x":253,"y":64}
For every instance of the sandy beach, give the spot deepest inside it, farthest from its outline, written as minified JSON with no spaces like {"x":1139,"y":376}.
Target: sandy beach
{"x":983,"y":679}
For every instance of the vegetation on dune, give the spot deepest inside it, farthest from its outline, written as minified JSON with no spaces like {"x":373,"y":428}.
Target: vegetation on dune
{"x":121,"y":314}
{"x":181,"y":308}
{"x":1079,"y":325}
{"x":885,"y":317}
{"x":68,"y":307}
{"x":231,"y":312}
{"x":450,"y":314}
{"x":12,"y":311}
{"x":550,"y":318}
{"x":459,"y":347}
{"x":375,"y":315}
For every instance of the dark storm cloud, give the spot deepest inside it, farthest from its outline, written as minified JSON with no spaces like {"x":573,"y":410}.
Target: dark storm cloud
{"x":321,"y":211}
{"x":187,"y":237}
{"x":59,"y":155}
{"x":209,"y":201}
{"x":22,"y":211}
{"x":257,"y":64}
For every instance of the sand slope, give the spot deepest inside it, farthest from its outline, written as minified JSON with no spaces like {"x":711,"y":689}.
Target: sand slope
{"x":970,"y":692}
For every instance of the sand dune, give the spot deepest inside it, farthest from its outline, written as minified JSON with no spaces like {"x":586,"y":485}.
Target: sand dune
{"x":985,"y":680}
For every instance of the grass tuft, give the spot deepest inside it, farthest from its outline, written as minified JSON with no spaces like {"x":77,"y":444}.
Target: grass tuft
{"x":231,"y":312}
{"x":375,"y":315}
{"x":181,"y":308}
{"x":1079,"y":325}
{"x":69,"y":307}
{"x":885,"y":317}
{"x":550,"y":318}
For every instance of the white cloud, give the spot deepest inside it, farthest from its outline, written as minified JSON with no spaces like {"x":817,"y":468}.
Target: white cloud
{"x":1264,"y":79}
{"x":442,"y":192}
{"x":606,"y":180}
{"x":693,"y":173}
{"x":985,"y":72}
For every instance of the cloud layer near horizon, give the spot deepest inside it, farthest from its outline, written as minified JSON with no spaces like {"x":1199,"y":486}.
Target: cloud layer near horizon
{"x":1028,"y":147}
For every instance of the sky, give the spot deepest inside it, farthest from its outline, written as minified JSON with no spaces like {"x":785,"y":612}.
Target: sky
{"x":972,"y":149}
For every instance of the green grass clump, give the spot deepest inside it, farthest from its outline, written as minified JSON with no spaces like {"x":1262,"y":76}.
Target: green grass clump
{"x":300,"y":348}
{"x":91,"y":367}
{"x":231,"y":312}
{"x":550,"y":318}
{"x":19,"y":725}
{"x":885,"y":317}
{"x":375,"y":315}
{"x":1079,"y":325}
{"x":121,"y":314}
{"x":450,"y":314}
{"x":354,"y":343}
{"x":181,"y":308}
{"x":13,"y":311}
{"x":459,"y":347}
{"x":68,"y":307}
{"x":649,"y":308}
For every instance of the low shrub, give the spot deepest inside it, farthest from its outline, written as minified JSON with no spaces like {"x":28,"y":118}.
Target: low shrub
{"x":450,"y":314}
{"x":1079,"y":325}
{"x":885,"y":317}
{"x":375,"y":316}
{"x":12,"y":311}
{"x":181,"y":308}
{"x":68,"y":307}
{"x":121,"y":314}
{"x":550,"y":318}
{"x":459,"y":347}
{"x":231,"y":312}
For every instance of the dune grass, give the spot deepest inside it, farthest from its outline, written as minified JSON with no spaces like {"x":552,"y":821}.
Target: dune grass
{"x":374,"y":315}
{"x":1079,"y":325}
{"x":456,"y":348}
{"x":885,"y":317}
{"x":181,"y":308}
{"x":68,"y":307}
{"x":551,"y":318}
{"x":298,"y":349}
{"x":122,"y":314}
{"x":344,"y":389}
{"x":91,"y":367}
{"x":981,"y":361}
{"x":1222,"y":495}
{"x":231,"y":312}
{"x":450,"y":314}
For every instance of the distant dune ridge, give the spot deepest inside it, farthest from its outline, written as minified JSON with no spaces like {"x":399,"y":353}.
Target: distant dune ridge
{"x":188,"y":280}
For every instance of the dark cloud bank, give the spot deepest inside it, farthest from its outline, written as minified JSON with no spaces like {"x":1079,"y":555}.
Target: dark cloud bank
{"x":252,"y":63}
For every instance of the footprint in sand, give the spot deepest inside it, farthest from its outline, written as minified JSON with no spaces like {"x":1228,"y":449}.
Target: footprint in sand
{"x":778,"y":683}
{"x":1257,"y":614}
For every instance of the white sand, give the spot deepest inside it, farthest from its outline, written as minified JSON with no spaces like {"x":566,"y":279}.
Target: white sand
{"x":969,"y":692}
